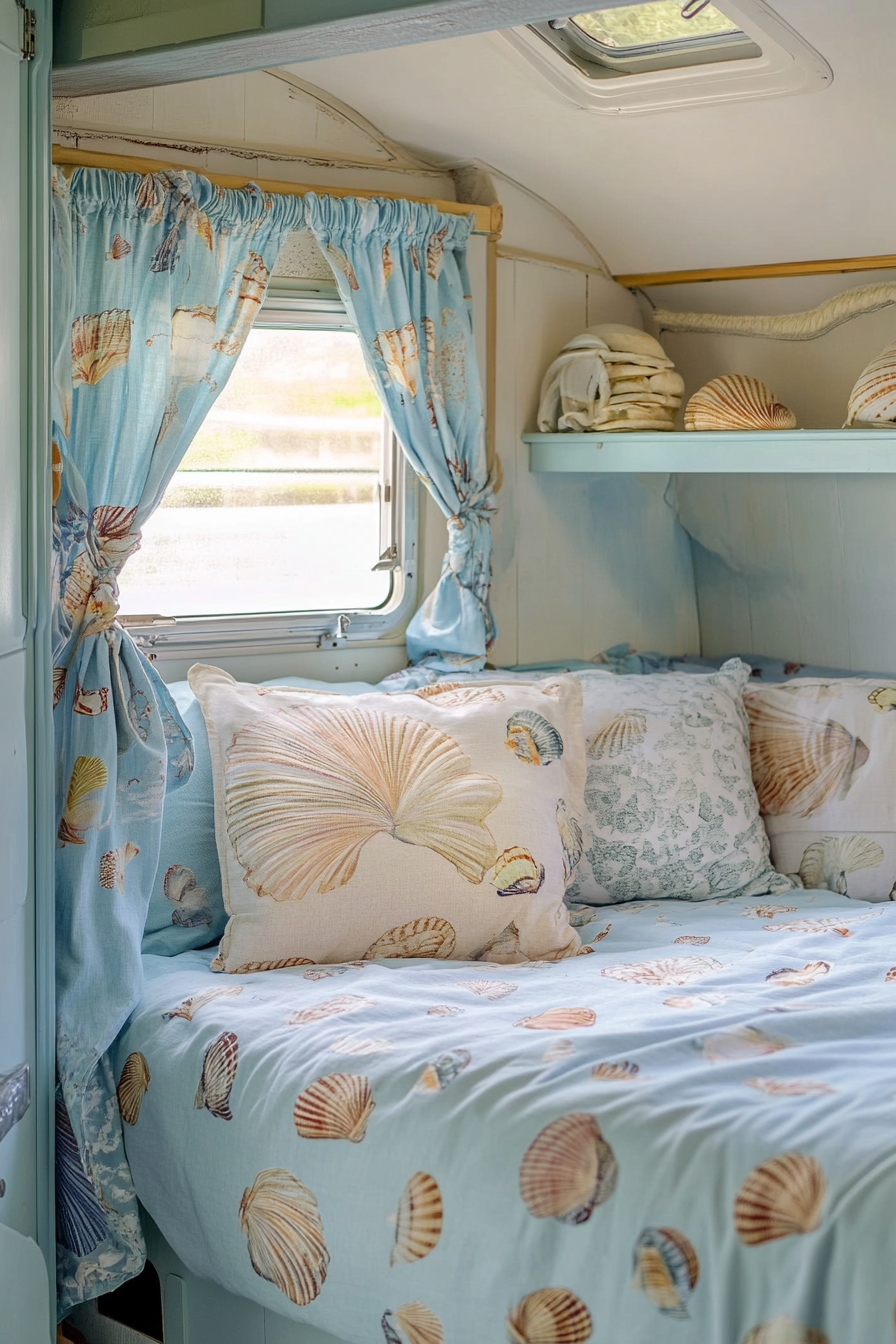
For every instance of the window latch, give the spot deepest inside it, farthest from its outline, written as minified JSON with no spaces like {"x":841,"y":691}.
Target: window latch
{"x":332,"y":637}
{"x":389,"y":559}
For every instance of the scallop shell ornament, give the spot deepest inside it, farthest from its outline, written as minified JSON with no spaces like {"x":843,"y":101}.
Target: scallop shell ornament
{"x":826,"y":864}
{"x":517,"y":874}
{"x":430,"y":937}
{"x":100,"y":342}
{"x":132,"y":1085}
{"x":442,"y":1071}
{"x":727,"y":1047}
{"x":337,"y":1106}
{"x":418,"y":1224}
{"x":666,"y":971}
{"x":218,"y":1074}
{"x":619,"y":734}
{"x":872,"y":402}
{"x":532,"y":738}
{"x":780,"y":1198}
{"x":559,"y":1019}
{"x":84,"y":800}
{"x":615,"y":1071}
{"x":413,"y":1323}
{"x":489,"y":989}
{"x":306,"y":788}
{"x":799,"y":763}
{"x":281,"y":1222}
{"x":567,"y":1170}
{"x":736,"y":401}
{"x":666,"y":1269}
{"x":784,"y":1330}
{"x":549,"y":1316}
{"x":334,"y":1007}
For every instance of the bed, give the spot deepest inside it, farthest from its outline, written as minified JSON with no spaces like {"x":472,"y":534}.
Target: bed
{"x":685,"y":1135}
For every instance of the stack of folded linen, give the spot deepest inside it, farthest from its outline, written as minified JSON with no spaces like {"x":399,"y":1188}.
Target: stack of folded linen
{"x":610,"y":378}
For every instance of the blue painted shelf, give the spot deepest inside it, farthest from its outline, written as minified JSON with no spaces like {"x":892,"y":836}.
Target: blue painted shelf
{"x":794,"y":450}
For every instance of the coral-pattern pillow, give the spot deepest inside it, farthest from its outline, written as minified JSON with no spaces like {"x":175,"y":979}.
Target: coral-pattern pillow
{"x":671,"y":808}
{"x":824,"y":765}
{"x":437,"y":823}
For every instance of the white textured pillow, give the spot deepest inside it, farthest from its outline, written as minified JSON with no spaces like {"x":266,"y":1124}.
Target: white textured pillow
{"x":824,"y":765}
{"x":437,"y":823}
{"x":670,"y":805}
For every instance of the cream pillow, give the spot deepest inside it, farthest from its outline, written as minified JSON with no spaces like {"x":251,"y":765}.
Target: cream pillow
{"x":670,"y":806}
{"x":824,"y":765}
{"x":435,"y":823}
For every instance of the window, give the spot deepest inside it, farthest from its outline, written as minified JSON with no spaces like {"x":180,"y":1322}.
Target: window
{"x":287,"y":510}
{"x":648,"y":56}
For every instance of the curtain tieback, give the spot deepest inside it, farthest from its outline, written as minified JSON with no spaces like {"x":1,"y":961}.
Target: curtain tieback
{"x":90,"y":588}
{"x":468,"y":536}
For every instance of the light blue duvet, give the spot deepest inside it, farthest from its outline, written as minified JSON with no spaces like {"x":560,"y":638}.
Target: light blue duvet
{"x":688,"y":1135}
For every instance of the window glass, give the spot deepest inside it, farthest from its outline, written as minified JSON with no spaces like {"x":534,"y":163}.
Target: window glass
{"x":651,"y":23}
{"x":278,"y":503}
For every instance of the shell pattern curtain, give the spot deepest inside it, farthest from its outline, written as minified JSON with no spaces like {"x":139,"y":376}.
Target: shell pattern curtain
{"x":401,"y":270}
{"x":157,"y":280}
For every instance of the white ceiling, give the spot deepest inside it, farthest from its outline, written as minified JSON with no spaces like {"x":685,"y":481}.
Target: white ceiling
{"x":776,"y":179}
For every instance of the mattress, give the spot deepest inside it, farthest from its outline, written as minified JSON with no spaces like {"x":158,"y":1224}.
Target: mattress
{"x":687,"y":1134}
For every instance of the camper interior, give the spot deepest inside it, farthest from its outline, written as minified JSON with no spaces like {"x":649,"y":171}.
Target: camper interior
{"x":445,"y":549}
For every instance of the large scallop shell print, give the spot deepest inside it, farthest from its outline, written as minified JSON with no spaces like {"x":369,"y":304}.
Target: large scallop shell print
{"x":100,"y":342}
{"x":428,"y":937}
{"x":218,"y":1074}
{"x":799,"y":763}
{"x":665,"y":971}
{"x":559,"y":1019}
{"x":549,"y":1316}
{"x":532,"y":738}
{"x":337,"y":1106}
{"x":306,"y":788}
{"x":413,"y":1323}
{"x":132,"y":1087}
{"x":619,"y":734}
{"x":666,"y":1269}
{"x":780,"y":1198}
{"x":282,"y":1225}
{"x":418,"y":1224}
{"x":334,"y":1007}
{"x":784,"y":1330}
{"x":567,"y":1170}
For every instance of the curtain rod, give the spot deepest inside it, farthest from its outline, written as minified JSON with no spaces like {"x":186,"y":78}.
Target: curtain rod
{"x":487,"y":219}
{"x":779,"y":269}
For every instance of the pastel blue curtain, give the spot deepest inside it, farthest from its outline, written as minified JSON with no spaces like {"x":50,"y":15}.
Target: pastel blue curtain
{"x":157,"y":281}
{"x":402,"y":272}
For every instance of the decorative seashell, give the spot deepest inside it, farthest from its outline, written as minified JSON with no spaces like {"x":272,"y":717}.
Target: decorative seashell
{"x":599,"y":937}
{"x":253,"y":283}
{"x":56,"y":468}
{"x":826,"y":863}
{"x":666,"y":971}
{"x":489,"y":989}
{"x":567,"y":1170}
{"x":81,"y":1223}
{"x":430,"y":937}
{"x":120,"y":248}
{"x":100,"y":342}
{"x":561,"y":1049}
{"x":736,"y":401}
{"x":443,"y":1010}
{"x":872,"y":402}
{"x":59,"y":675}
{"x":192,"y":341}
{"x":883,"y":699}
{"x":327,"y":972}
{"x":113,"y":864}
{"x":453,"y":694}
{"x":337,"y":1106}
{"x":549,"y":1316}
{"x":418,"y":1224}
{"x":435,"y":248}
{"x":830,"y":924}
{"x":571,"y":840}
{"x":532,"y":739}
{"x":619,"y":734}
{"x":695,"y":1000}
{"x":280,"y":1219}
{"x":400,"y":352}
{"x":768,"y":911}
{"x":578,"y":919}
{"x":218,"y":1072}
{"x":132,"y":1086}
{"x":799,"y":763}
{"x":666,"y":1269}
{"x":192,"y":908}
{"x":190,"y":1007}
{"x":890,"y":975}
{"x":340,"y":1003}
{"x":615,"y":1071}
{"x":83,"y":802}
{"x":780,"y":1198}
{"x":791,"y":978}
{"x":503,"y":949}
{"x":784,"y":1330}
{"x":727,"y":1047}
{"x":326,"y":780}
{"x":413,"y":1323}
{"x":790,"y":1087}
{"x":90,"y":702}
{"x":148,"y":192}
{"x":361,"y":1045}
{"x":693,"y":939}
{"x":559,"y":1019}
{"x":388,"y":264}
{"x":280,"y":964}
{"x":442,"y":1071}
{"x":342,"y":263}
{"x":517,"y":874}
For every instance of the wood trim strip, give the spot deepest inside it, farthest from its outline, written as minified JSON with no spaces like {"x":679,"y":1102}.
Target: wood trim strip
{"x":488,"y":219}
{"x":491,"y":359}
{"x":544,"y":259}
{"x":771,"y":270}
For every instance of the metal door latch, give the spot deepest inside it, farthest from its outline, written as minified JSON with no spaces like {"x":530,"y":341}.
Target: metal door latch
{"x":15,"y":1097}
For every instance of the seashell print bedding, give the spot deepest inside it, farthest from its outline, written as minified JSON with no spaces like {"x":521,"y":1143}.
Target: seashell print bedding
{"x":685,"y":1137}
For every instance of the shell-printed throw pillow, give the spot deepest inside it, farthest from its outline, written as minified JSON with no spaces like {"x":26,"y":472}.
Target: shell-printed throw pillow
{"x":824,"y":765}
{"x":443,"y":822}
{"x":670,"y":805}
